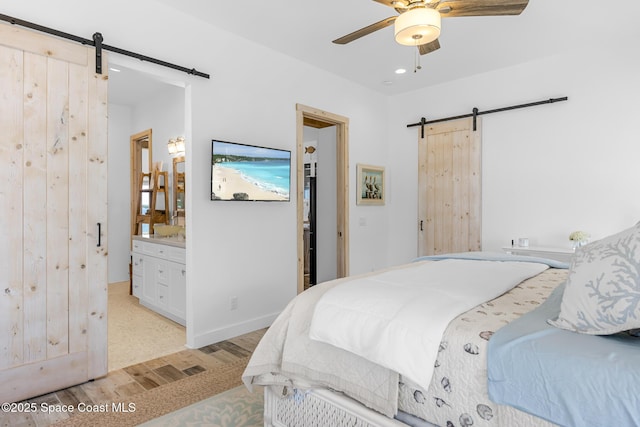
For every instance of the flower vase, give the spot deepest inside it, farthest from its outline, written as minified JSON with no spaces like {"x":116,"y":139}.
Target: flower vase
{"x":578,"y":243}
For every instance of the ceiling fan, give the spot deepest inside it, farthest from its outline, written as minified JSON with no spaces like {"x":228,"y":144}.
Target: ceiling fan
{"x":418,"y":22}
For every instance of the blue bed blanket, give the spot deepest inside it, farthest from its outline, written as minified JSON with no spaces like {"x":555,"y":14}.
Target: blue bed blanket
{"x":495,"y":256}
{"x":564,"y":377}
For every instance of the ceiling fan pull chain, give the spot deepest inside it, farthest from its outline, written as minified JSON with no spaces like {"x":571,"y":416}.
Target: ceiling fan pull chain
{"x":416,"y":61}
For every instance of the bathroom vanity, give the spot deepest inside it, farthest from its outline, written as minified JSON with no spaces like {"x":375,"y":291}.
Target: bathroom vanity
{"x":159,"y":275}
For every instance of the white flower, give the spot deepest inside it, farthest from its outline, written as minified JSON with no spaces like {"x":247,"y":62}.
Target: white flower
{"x":579,"y":236}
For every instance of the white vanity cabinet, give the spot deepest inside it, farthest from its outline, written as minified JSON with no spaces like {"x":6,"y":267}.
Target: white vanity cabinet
{"x":160,"y":272}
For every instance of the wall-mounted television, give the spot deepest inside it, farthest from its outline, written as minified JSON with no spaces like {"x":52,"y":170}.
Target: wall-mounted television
{"x":242,"y":172}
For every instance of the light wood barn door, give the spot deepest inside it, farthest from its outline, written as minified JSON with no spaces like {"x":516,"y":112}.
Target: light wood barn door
{"x":53,"y":182}
{"x":449,"y":187}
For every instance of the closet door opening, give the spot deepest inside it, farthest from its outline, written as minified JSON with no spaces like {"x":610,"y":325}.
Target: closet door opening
{"x":329,"y":232}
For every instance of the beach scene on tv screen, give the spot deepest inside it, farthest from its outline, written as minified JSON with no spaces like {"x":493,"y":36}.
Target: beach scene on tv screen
{"x":245,"y":172}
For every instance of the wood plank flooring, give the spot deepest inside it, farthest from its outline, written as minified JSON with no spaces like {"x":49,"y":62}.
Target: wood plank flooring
{"x":136,"y":379}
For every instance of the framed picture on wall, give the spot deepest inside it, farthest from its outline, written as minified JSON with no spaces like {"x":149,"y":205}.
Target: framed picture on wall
{"x":370,"y":187}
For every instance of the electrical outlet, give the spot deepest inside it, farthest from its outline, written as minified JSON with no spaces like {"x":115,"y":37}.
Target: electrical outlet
{"x":233,"y":303}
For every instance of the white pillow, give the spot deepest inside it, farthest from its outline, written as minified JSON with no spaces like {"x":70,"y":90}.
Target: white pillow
{"x":602,"y":295}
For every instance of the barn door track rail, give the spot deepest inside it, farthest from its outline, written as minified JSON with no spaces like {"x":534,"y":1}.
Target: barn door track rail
{"x":97,"y":43}
{"x":477,"y":113}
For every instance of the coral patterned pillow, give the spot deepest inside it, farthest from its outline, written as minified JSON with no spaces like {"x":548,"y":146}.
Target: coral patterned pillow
{"x":602,"y":295}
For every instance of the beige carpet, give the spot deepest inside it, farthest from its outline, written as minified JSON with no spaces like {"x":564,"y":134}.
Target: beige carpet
{"x":137,"y":334}
{"x":164,"y":399}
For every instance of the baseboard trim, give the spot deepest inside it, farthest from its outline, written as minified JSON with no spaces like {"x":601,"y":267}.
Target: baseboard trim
{"x":231,"y":331}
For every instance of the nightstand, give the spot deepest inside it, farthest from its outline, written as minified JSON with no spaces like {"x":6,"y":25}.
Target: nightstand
{"x":558,"y":254}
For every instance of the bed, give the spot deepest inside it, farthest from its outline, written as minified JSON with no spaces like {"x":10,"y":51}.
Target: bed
{"x":318,"y":371}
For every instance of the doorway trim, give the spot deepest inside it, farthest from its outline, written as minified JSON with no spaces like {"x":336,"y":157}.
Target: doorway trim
{"x":138,"y":142}
{"x":317,"y":118}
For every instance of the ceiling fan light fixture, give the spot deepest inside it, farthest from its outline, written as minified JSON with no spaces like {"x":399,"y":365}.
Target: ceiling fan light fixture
{"x":417,"y":26}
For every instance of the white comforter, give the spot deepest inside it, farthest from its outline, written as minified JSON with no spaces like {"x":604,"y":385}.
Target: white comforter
{"x":286,"y":358}
{"x":408,"y":310}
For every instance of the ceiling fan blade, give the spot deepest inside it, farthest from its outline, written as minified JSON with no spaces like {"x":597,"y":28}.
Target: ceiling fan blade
{"x":366,"y":30}
{"x":399,"y":5}
{"x":386,"y":2}
{"x":429,"y":47}
{"x":453,"y":8}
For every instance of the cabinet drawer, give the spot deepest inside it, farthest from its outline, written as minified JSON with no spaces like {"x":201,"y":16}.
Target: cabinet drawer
{"x":137,"y":261}
{"x":136,"y":246}
{"x":162,"y":296}
{"x":177,"y":255}
{"x":143,"y":247}
{"x":162,"y":272}
{"x":136,"y":285}
{"x":172,"y":253}
{"x":161,"y":251}
{"x":148,"y":248}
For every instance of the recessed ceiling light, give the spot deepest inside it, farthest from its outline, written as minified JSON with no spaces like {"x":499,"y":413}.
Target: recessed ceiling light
{"x":401,"y":71}
{"x":115,"y":70}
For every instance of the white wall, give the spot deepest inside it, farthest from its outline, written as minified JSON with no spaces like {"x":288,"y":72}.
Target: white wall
{"x":547,"y":170}
{"x":118,"y":214}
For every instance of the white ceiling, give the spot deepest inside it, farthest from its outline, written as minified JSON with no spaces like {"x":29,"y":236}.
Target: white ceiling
{"x":304,"y":29}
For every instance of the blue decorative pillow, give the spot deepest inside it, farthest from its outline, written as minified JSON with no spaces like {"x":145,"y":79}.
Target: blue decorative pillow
{"x":602,"y":295}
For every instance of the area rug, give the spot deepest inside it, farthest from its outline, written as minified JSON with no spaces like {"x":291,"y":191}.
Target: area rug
{"x":234,"y":408}
{"x":164,"y":399}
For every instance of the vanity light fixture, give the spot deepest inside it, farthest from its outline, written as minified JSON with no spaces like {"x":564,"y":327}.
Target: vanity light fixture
{"x":171,"y":145}
{"x":180,"y":144}
{"x":176,"y":146}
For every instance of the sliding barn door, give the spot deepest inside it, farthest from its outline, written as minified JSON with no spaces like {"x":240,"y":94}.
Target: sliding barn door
{"x":449,"y":187}
{"x":53,"y":253}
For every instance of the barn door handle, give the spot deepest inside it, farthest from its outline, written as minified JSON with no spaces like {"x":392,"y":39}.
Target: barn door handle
{"x":421,"y":222}
{"x":99,"y":233}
